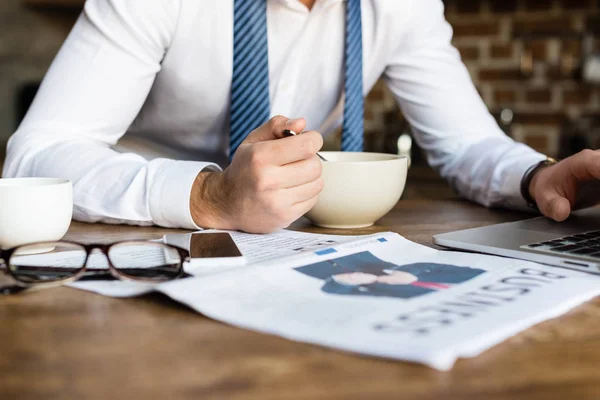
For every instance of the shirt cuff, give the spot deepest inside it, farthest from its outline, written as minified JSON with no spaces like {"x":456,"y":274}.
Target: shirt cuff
{"x":170,"y":193}
{"x":513,"y":175}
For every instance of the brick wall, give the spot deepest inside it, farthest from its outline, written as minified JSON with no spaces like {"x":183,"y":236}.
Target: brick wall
{"x":554,"y":111}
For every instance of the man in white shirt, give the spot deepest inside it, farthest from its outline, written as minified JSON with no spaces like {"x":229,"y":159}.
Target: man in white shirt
{"x":161,"y":71}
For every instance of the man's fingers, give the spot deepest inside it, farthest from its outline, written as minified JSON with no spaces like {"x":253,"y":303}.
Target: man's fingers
{"x":274,"y":129}
{"x":585,"y":165}
{"x":299,"y":173}
{"x":291,"y":149}
{"x":554,"y":206}
{"x":265,"y":132}
{"x":302,"y":208}
{"x":302,"y":193}
{"x":297,"y":125}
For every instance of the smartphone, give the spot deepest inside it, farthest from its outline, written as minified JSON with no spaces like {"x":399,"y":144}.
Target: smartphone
{"x":211,"y":248}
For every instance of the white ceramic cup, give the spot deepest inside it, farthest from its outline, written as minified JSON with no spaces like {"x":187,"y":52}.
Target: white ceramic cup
{"x":359,"y":189}
{"x":34,"y":210}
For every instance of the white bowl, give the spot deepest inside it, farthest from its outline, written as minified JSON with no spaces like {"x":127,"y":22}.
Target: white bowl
{"x":34,"y":210}
{"x":359,"y":189}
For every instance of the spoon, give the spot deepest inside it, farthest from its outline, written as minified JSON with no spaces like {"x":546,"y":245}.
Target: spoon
{"x":288,"y":133}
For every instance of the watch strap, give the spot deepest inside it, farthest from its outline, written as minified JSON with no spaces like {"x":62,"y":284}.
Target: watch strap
{"x":528,"y":177}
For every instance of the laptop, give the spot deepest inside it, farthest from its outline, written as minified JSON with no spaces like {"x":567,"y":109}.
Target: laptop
{"x":574,"y":243}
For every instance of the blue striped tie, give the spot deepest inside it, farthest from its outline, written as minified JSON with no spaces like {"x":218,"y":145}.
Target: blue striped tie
{"x":250,"y":105}
{"x":354,"y":106}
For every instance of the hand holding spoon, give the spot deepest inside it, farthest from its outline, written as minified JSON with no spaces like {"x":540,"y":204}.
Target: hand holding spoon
{"x":288,"y":133}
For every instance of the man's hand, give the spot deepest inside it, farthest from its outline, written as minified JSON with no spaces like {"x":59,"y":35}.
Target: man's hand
{"x":557,"y":189}
{"x":271,"y":182}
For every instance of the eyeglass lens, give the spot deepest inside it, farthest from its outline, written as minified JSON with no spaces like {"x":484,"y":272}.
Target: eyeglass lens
{"x":147,"y":261}
{"x":47,"y":262}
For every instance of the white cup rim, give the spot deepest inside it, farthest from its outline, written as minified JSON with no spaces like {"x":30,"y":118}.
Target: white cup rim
{"x":32,"y":182}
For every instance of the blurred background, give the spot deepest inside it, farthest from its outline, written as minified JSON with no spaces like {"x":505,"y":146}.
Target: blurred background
{"x":536,"y":64}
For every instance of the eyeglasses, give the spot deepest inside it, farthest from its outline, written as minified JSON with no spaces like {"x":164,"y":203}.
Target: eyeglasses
{"x":51,"y":264}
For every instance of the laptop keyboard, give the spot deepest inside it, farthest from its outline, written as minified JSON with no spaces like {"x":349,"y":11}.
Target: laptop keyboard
{"x":581,"y":245}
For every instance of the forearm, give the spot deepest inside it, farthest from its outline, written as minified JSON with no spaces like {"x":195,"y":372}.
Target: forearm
{"x":108,"y":186}
{"x":452,"y":124}
{"x":489,"y":172}
{"x":91,"y":94}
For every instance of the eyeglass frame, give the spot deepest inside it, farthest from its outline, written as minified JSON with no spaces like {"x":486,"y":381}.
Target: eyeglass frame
{"x":6,"y":255}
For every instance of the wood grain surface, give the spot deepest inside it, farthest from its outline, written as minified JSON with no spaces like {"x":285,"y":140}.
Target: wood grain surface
{"x":68,"y":344}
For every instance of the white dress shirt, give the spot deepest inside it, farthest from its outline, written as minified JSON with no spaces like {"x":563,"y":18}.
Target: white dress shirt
{"x":161,"y":70}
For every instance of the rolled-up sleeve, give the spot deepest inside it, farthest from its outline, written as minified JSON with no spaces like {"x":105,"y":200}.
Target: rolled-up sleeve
{"x":451,"y":123}
{"x":90,"y":96}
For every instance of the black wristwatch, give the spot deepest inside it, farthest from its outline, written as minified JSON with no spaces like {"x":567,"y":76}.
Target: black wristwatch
{"x":529,"y":174}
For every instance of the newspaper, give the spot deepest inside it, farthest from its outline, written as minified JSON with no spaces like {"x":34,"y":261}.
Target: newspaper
{"x":379,"y":295}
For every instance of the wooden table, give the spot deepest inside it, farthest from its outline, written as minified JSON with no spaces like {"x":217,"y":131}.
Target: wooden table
{"x":66,"y":344}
